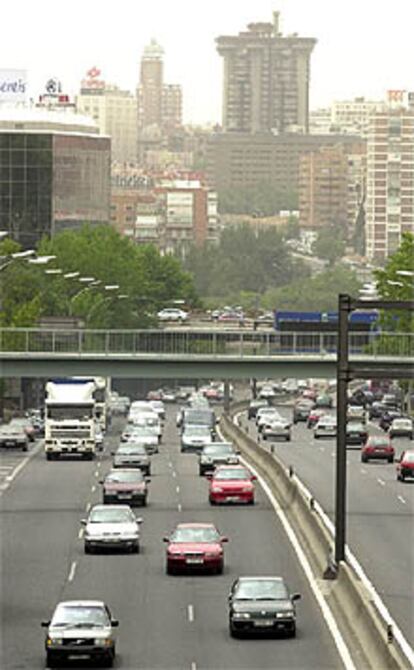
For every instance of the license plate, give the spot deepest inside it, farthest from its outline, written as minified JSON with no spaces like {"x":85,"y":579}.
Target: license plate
{"x":124,"y":496}
{"x":265,"y":623}
{"x":9,"y":443}
{"x":194,"y":561}
{"x":233,"y":499}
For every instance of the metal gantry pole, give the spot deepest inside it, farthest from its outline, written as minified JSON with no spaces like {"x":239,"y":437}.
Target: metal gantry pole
{"x":341,"y":404}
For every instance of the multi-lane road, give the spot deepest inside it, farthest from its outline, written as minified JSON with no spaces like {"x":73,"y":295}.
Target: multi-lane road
{"x":380,"y":511}
{"x":165,"y":622}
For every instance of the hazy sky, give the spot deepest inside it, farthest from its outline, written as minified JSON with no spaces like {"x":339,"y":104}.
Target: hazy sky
{"x":364,"y":46}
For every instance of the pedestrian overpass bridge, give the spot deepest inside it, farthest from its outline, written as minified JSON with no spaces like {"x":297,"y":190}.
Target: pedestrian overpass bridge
{"x":198,"y":353}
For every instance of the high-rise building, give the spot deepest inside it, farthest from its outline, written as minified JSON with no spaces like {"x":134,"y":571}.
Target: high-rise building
{"x":159,"y":105}
{"x":390,"y":177}
{"x":323,"y":189}
{"x":266,"y":79}
{"x":114,"y":111}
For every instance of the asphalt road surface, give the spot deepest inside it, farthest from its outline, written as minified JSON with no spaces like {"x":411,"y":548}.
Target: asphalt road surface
{"x":169,"y":622}
{"x":380,"y":519}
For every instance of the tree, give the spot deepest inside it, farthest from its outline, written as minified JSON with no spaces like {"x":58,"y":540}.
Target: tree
{"x":391,"y":285}
{"x":147,"y":281}
{"x":330,"y":244}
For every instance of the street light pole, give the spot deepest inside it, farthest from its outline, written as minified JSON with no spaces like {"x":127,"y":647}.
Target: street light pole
{"x":341,"y":404}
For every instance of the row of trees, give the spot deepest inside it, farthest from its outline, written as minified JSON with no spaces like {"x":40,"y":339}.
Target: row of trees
{"x":244,"y":260}
{"x":147,"y":281}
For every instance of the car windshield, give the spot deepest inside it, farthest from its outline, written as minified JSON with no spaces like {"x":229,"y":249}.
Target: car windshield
{"x":197,"y":430}
{"x":80,"y":617}
{"x":354,"y":427}
{"x":205,"y":534}
{"x":218,"y":450}
{"x":111,"y":516}
{"x":408,"y":458}
{"x":231,"y":473}
{"x":406,"y":423}
{"x":125,"y":476}
{"x":378,"y":442}
{"x":261,"y":589}
{"x":131,"y":449}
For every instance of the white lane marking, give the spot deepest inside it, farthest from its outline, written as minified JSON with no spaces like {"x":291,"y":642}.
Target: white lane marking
{"x":325,"y":609}
{"x":15,"y":472}
{"x":321,"y":448}
{"x":6,"y":468}
{"x":178,"y":489}
{"x":190,"y":609}
{"x":180,"y":507}
{"x":380,"y":481}
{"x":193,"y":665}
{"x":72,"y":572}
{"x":401,"y":499}
{"x":93,"y":489}
{"x":80,"y":534}
{"x":88,"y":507}
{"x":96,"y":473}
{"x":174,"y":474}
{"x":363,"y":472}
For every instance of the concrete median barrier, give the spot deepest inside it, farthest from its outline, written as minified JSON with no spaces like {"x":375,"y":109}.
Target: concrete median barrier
{"x":371,"y":636}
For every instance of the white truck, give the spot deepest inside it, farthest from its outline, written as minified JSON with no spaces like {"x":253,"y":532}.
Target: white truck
{"x":70,"y":418}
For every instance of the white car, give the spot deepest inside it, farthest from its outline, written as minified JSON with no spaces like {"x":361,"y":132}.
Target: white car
{"x":265,"y":415}
{"x":401,"y":428}
{"x":111,"y":526}
{"x":267,"y":392}
{"x":144,"y":435}
{"x":158,"y":407}
{"x":172,"y":314}
{"x":78,"y":629}
{"x":278,"y":428}
{"x":325,"y":427}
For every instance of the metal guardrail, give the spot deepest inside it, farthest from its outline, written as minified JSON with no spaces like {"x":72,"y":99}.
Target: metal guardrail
{"x":190,"y":342}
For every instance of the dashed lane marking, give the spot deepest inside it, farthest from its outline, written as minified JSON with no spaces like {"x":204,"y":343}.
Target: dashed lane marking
{"x":402,"y":500}
{"x":190,"y":610}
{"x":72,"y":572}
{"x":380,"y":481}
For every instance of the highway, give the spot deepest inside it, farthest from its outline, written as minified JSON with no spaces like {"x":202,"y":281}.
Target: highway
{"x":165,"y":622}
{"x":380,"y":519}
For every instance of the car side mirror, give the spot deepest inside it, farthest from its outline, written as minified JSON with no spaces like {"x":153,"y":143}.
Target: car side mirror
{"x":238,"y":451}
{"x":253,"y":478}
{"x":230,"y":598}
{"x":45,"y":624}
{"x":165,"y":539}
{"x":224,"y":539}
{"x":296,"y":596}
{"x":147,"y":479}
{"x":101,"y":481}
{"x":113,"y":453}
{"x":209,"y":476}
{"x":140,"y":519}
{"x":114,"y":623}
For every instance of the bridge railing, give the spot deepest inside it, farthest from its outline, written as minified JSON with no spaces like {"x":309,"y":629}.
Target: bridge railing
{"x":188,"y":342}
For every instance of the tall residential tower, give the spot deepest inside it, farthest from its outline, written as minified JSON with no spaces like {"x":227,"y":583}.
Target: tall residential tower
{"x":266,"y":79}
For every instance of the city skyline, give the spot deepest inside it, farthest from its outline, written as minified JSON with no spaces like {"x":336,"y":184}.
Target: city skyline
{"x":350,"y":58}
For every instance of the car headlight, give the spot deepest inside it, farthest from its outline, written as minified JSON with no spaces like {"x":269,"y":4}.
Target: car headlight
{"x":130,"y":536}
{"x":246,"y":489}
{"x":103,"y":641}
{"x":241,"y":615}
{"x":216,"y":489}
{"x":53,"y":641}
{"x":285,"y":615}
{"x":214,"y":554}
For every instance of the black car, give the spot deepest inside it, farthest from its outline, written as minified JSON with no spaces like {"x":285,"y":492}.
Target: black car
{"x":376,"y":410}
{"x":217,"y":453}
{"x":356,"y":433}
{"x":302,"y":410}
{"x":262,"y":605}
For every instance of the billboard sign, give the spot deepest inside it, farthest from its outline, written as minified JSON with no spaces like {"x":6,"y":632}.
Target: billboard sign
{"x":13,"y":86}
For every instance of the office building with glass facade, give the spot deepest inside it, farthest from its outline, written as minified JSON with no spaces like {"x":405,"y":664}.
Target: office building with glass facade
{"x":54,"y":174}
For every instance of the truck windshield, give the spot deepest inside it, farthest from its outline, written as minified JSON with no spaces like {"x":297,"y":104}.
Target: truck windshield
{"x":61,"y":412}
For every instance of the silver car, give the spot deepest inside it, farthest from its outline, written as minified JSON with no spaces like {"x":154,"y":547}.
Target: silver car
{"x":277,"y":429}
{"x":132,"y":455}
{"x":194,"y":437}
{"x":217,"y":453}
{"x":13,"y":436}
{"x":80,"y":629}
{"x":111,"y":527}
{"x":142,"y":435}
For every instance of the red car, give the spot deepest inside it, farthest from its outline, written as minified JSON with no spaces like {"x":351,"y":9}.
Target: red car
{"x":195,"y":546}
{"x":231,"y":484}
{"x":405,"y":465}
{"x":378,"y":446}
